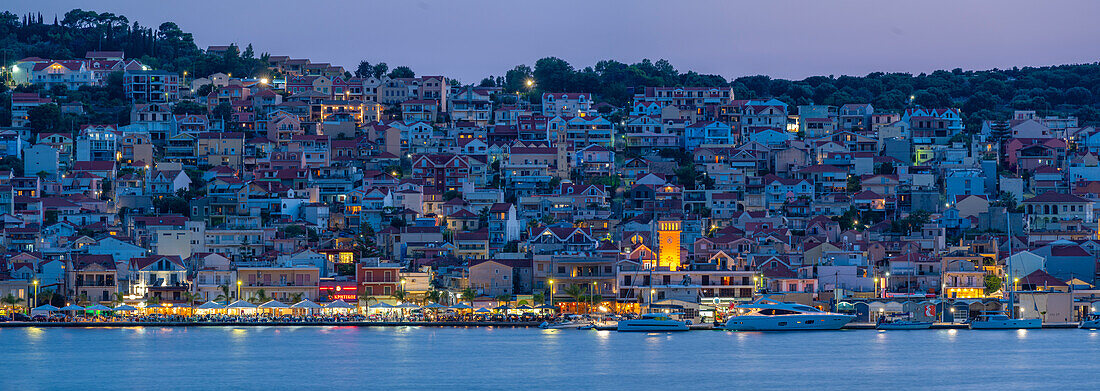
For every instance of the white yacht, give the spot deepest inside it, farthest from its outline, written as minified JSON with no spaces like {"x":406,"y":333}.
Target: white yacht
{"x":998,"y":320}
{"x":653,"y":323}
{"x":766,"y":314}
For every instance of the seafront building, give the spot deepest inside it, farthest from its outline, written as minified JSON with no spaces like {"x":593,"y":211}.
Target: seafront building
{"x":320,"y":186}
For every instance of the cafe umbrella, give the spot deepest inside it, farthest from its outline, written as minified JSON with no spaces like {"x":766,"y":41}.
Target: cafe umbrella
{"x":273,"y":305}
{"x":306,"y":304}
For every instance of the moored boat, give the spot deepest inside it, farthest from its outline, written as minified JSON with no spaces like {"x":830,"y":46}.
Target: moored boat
{"x":655,"y":322}
{"x":995,"y":320}
{"x":766,"y":314}
{"x":1091,"y":322}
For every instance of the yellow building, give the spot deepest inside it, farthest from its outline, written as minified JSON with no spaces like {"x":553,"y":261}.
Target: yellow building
{"x":668,"y":240}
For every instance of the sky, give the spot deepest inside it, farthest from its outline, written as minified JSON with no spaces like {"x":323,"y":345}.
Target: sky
{"x":471,"y":39}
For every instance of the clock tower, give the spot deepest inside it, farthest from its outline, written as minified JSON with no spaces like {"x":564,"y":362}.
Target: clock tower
{"x":668,"y":243}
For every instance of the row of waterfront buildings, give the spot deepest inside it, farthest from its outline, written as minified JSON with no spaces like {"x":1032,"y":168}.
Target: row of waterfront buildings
{"x":321,"y":186}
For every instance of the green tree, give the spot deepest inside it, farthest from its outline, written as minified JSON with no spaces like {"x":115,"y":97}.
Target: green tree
{"x":402,"y":72}
{"x":44,"y":118}
{"x":992,"y":283}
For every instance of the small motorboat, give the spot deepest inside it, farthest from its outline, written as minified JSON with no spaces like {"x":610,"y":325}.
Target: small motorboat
{"x":655,"y":322}
{"x":902,"y":322}
{"x":1092,"y":321}
{"x":996,"y":320}
{"x":903,"y":325}
{"x":569,"y":322}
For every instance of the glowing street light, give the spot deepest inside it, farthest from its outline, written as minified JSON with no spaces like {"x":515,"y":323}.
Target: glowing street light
{"x":238,"y":289}
{"x":263,"y":81}
{"x":530,"y":82}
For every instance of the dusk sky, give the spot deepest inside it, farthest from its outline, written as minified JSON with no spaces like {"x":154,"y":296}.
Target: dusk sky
{"x":790,"y":39}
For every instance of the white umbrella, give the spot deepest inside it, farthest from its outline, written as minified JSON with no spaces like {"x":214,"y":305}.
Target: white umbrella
{"x":274,"y":304}
{"x":46,"y":307}
{"x":241,"y":304}
{"x":483,"y":310}
{"x":435,"y":305}
{"x":125,"y":307}
{"x":461,"y":306}
{"x":407,"y":305}
{"x":98,"y":307}
{"x":210,"y":305}
{"x":380,"y":306}
{"x":153,"y":305}
{"x":305,"y":304}
{"x":339,"y":304}
{"x":72,"y":307}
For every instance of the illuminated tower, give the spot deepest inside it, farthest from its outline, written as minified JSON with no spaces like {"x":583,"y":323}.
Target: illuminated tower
{"x":668,"y":240}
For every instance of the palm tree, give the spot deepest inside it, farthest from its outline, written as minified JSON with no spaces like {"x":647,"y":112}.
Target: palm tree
{"x":433,"y":296}
{"x":503,"y":299}
{"x":83,"y":300}
{"x":260,"y":297}
{"x":538,"y":297}
{"x":118,"y":299}
{"x":224,"y":296}
{"x":10,"y":300}
{"x":468,"y":295}
{"x":399,"y":295}
{"x":575,"y":291}
{"x":296,"y":297}
{"x":366,"y":298}
{"x":191,"y":297}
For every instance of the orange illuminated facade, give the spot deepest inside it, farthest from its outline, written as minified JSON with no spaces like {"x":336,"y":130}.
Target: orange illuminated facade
{"x":668,"y":239}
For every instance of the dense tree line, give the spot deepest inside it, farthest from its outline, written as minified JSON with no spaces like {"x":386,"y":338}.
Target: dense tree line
{"x":990,"y":94}
{"x":165,"y":47}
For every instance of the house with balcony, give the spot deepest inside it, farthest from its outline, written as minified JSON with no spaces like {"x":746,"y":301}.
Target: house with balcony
{"x":286,"y":284}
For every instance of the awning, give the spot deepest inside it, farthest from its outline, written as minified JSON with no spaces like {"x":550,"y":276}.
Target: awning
{"x":98,"y":307}
{"x":461,"y":306}
{"x":435,"y":305}
{"x":46,"y":307}
{"x":274,"y":304}
{"x":72,"y":307}
{"x":380,"y":306}
{"x":339,"y":304}
{"x":305,"y":304}
{"x":125,"y":307}
{"x":241,"y":304}
{"x":210,"y":305}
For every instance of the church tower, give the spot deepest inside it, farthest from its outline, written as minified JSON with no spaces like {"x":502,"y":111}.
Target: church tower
{"x":668,"y":242}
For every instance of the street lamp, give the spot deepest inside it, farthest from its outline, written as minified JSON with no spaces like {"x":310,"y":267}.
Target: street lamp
{"x":36,"y":292}
{"x":238,"y":289}
{"x":1015,"y":284}
{"x":551,"y":293}
{"x":530,"y":82}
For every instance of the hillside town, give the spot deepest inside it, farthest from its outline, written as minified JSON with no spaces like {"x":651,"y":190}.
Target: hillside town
{"x":305,"y":182}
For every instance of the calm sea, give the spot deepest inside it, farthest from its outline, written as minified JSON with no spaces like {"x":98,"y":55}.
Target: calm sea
{"x":350,"y":358}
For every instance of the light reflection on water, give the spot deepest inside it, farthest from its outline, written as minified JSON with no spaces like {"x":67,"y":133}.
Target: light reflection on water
{"x":510,"y":358}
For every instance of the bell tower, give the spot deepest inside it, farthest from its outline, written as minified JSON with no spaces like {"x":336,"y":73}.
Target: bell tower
{"x":668,"y":243}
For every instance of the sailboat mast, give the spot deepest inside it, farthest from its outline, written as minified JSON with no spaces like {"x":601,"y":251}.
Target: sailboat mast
{"x":1008,"y":264}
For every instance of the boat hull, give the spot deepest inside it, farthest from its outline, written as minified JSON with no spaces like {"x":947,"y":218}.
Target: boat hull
{"x":1090,"y":324}
{"x":904,"y":326}
{"x":555,"y":326}
{"x":1006,"y":324}
{"x":788,"y":322}
{"x":643,"y":325}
